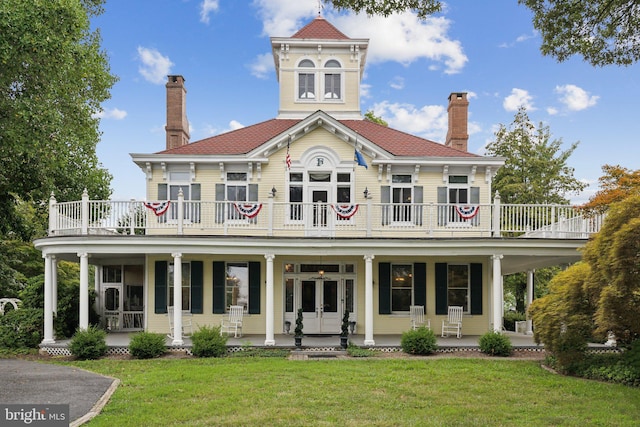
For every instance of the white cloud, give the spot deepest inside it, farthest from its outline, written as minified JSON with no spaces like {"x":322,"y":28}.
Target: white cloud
{"x":206,"y":8}
{"x":114,"y":113}
{"x":404,"y":38}
{"x":552,"y":111}
{"x":520,"y":39}
{"x":518,"y":98}
{"x":365,"y":90}
{"x":234,"y":125}
{"x":397,"y":83}
{"x":575,"y":98}
{"x":262,"y":66}
{"x":401,"y":38}
{"x":154,"y":66}
{"x":429,"y":121}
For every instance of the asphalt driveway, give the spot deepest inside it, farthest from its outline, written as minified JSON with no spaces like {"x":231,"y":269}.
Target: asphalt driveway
{"x":28,"y":382}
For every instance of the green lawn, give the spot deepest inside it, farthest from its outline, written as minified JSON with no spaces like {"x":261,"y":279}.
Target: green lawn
{"x":357,"y":392}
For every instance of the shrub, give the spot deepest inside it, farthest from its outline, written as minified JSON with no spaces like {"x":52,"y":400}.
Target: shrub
{"x":510,"y":318}
{"x":147,"y":345}
{"x":88,"y":344}
{"x":355,"y":351}
{"x":632,"y":355}
{"x":419,"y":341}
{"x":208,"y":342}
{"x":21,"y":328}
{"x":495,"y":344}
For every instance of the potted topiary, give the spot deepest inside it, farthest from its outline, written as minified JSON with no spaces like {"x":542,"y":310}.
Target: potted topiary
{"x":297,"y":332}
{"x":344,"y":335}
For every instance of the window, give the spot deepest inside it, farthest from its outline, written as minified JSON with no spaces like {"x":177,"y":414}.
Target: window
{"x":179,"y":180}
{"x":186,"y":286}
{"x":237,"y":285}
{"x":401,"y":198}
{"x":306,"y":80}
{"x":458,"y":285}
{"x":236,"y":192}
{"x":295,"y":196}
{"x":401,"y":287}
{"x":111,"y":274}
{"x":458,"y":194}
{"x":332,"y":81}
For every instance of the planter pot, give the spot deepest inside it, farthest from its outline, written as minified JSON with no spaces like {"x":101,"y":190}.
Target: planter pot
{"x":344,"y":342}
{"x":298,"y":341}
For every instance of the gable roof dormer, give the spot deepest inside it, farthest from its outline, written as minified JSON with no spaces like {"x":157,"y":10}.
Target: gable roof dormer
{"x":319,"y":68}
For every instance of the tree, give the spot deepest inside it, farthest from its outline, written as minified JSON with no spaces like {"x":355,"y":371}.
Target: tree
{"x":385,"y":8}
{"x":369,"y":115}
{"x":616,"y":184}
{"x":535,"y":172}
{"x":614,"y":256}
{"x":54,"y":77}
{"x":535,"y":169}
{"x":603,"y":32}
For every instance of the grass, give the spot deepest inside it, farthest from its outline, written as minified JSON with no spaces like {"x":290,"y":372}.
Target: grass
{"x":356,"y":392}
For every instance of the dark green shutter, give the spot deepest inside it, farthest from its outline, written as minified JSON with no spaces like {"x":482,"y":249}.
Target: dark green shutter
{"x":219,"y":279}
{"x":253,"y":197}
{"x":161,"y":287}
{"x":254,"y":288}
{"x":441,"y":288}
{"x":196,"y":287}
{"x":476,"y":288}
{"x":384,"y":288}
{"x":163,"y":192}
{"x":420,"y":284}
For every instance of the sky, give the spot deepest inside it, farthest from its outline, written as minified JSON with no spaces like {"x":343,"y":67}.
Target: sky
{"x":488,"y":49}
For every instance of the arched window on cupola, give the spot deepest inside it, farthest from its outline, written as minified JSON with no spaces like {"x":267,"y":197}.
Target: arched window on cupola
{"x":333,"y":80}
{"x":306,"y":80}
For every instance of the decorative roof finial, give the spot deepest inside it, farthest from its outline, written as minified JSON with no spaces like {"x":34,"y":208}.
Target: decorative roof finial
{"x":319,"y":7}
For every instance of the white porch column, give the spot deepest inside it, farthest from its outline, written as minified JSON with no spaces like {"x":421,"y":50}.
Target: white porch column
{"x":54,"y":284}
{"x":269,"y":338}
{"x":177,"y":299}
{"x":48,"y":303}
{"x":84,"y":290}
{"x":529,"y":300}
{"x":497,"y":293}
{"x":368,"y":300}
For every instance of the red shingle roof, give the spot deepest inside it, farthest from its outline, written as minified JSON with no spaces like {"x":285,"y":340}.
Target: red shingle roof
{"x":319,"y":28}
{"x":242,"y":141}
{"x":239,"y":141}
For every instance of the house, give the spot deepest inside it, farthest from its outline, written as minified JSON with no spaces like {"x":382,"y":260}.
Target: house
{"x":316,"y":209}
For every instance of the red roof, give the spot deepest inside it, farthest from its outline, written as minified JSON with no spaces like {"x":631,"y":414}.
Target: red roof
{"x":242,"y":141}
{"x":319,"y":28}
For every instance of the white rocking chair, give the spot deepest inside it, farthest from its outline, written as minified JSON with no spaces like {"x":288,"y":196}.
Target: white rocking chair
{"x":453,"y":324}
{"x":186,"y":323}
{"x":233,"y":322}
{"x":417,"y":317}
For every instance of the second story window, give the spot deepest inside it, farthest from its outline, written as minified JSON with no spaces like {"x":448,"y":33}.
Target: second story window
{"x":401,"y":198}
{"x":332,"y":80}
{"x":235,"y":189}
{"x":458,"y":194}
{"x":295,"y":196}
{"x":306,"y":80}
{"x":180,"y":181}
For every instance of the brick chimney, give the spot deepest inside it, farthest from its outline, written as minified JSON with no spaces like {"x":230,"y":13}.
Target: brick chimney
{"x":457,"y":135}
{"x":177,"y":127}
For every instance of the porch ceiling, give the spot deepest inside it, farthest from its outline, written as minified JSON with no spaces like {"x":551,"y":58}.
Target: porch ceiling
{"x":519,"y":254}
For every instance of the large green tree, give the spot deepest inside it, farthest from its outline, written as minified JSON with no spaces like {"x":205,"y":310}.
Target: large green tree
{"x":603,"y":32}
{"x":535,"y":172}
{"x":54,"y":78}
{"x":535,"y":169}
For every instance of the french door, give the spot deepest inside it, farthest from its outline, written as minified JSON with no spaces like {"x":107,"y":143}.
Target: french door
{"x":319,"y":218}
{"x":321,"y":306}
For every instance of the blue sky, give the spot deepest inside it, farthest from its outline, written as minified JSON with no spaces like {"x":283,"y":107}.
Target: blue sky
{"x":488,"y":49}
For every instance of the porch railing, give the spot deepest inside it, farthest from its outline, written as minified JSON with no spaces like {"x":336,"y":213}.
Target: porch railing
{"x":280,"y":219}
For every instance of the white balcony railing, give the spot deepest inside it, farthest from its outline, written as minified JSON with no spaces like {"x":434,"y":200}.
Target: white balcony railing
{"x":273,"y":218}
